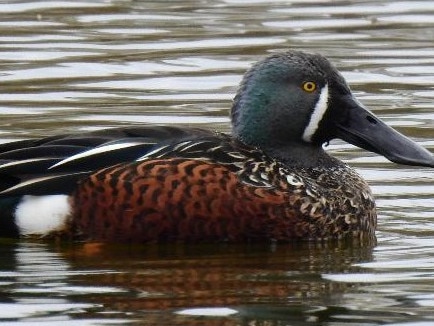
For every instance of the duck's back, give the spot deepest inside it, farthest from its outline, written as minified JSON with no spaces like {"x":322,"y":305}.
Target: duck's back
{"x":69,"y":157}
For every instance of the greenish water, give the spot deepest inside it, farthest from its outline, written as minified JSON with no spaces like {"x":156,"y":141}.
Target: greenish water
{"x":72,"y":66}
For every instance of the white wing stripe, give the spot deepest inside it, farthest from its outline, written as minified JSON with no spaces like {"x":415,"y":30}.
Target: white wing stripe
{"x":95,"y":151}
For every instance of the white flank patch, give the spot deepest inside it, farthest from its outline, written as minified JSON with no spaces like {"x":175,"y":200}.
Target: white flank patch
{"x":97,"y":150}
{"x":317,"y":114}
{"x":42,"y":214}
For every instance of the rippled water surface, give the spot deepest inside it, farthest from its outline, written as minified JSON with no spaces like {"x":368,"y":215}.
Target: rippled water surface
{"x":72,"y":66}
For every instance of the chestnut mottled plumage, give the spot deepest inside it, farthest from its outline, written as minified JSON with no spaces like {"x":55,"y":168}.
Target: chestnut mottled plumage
{"x":269,"y":180}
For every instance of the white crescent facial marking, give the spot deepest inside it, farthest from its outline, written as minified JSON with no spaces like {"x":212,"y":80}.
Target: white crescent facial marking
{"x":317,"y":114}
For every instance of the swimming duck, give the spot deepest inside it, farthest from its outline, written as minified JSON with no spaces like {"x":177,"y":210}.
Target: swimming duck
{"x":270,"y":179}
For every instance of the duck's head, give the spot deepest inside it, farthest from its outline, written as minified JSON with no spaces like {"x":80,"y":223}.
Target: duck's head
{"x":300,"y":100}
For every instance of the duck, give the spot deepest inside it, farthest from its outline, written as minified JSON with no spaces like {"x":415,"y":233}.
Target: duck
{"x":269,"y":179}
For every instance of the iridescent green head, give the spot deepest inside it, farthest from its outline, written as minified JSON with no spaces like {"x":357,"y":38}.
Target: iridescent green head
{"x":296,"y":100}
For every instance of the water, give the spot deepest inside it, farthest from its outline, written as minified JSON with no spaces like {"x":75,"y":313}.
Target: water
{"x":83,"y":65}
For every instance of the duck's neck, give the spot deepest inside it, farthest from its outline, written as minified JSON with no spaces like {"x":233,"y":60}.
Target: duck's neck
{"x":301,"y":155}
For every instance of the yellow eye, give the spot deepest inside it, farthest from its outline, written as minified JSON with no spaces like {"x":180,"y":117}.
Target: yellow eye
{"x":309,"y":86}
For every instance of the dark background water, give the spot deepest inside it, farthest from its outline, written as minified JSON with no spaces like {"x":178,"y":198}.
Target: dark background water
{"x":73,"y":66}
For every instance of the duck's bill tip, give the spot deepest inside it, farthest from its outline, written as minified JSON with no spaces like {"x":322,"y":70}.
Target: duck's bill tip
{"x":412,"y":155}
{"x":391,"y":144}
